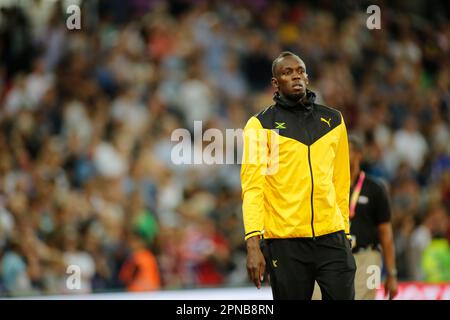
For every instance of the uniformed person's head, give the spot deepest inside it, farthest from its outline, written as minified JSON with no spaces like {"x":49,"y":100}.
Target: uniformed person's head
{"x":289,"y":76}
{"x":356,"y":149}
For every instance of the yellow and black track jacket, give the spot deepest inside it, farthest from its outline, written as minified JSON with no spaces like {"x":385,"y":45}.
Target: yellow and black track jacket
{"x":295,"y":171}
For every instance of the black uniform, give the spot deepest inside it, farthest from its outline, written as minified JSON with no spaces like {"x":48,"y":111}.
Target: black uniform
{"x":371,"y":210}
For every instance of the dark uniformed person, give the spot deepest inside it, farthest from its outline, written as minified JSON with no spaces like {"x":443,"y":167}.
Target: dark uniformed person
{"x":371,"y":229}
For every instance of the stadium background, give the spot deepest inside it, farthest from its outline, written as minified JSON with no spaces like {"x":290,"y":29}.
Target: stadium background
{"x":86,"y":176}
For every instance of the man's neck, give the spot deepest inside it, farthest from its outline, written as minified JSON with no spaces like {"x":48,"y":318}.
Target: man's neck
{"x":295,"y":101}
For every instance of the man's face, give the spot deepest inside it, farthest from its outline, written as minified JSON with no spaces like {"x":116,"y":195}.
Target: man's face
{"x":290,"y":77}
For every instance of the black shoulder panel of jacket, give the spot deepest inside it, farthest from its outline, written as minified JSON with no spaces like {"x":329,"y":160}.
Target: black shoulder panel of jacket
{"x":299,"y":123}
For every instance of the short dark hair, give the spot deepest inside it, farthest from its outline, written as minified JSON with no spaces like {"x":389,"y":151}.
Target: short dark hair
{"x":281,"y":56}
{"x":356,"y":142}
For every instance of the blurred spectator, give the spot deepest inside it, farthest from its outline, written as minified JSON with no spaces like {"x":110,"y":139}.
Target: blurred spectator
{"x":15,"y":276}
{"x":436,"y":255}
{"x":140,"y":270}
{"x":73,"y":256}
{"x":421,"y":238}
{"x":410,"y":144}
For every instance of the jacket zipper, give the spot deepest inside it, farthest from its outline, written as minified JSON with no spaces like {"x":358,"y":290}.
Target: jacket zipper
{"x":312,"y":192}
{"x":312,"y":182}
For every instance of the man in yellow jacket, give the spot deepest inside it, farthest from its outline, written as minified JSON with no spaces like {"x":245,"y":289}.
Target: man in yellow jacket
{"x":295,"y":187}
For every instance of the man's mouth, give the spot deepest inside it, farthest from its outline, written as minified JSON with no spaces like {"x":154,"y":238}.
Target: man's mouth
{"x":297,"y":86}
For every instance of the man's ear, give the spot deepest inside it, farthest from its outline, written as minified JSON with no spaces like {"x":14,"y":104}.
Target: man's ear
{"x":307,"y":80}
{"x":275,"y":83}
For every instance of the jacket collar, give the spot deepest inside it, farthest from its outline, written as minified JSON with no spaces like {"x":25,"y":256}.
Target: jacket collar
{"x":306,"y":103}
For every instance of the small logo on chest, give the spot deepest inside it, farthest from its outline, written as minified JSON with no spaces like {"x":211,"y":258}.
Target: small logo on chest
{"x":326,"y":121}
{"x":280,"y":125}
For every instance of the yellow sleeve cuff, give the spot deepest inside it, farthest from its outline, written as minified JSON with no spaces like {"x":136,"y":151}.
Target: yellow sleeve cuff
{"x":252,"y":234}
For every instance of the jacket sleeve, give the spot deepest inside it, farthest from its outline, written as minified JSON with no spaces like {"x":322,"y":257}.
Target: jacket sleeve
{"x":254,"y":164}
{"x":341,"y":176}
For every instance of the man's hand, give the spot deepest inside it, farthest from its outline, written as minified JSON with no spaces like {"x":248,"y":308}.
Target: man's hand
{"x":256,"y":265}
{"x":390,"y":286}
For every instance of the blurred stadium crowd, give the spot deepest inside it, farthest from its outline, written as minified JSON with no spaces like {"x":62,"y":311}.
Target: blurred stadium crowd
{"x":86,"y":116}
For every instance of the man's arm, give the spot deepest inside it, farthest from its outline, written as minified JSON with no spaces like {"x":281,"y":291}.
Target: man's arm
{"x":386,"y":238}
{"x":254,"y":164}
{"x":387,"y":245}
{"x":341,"y":176}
